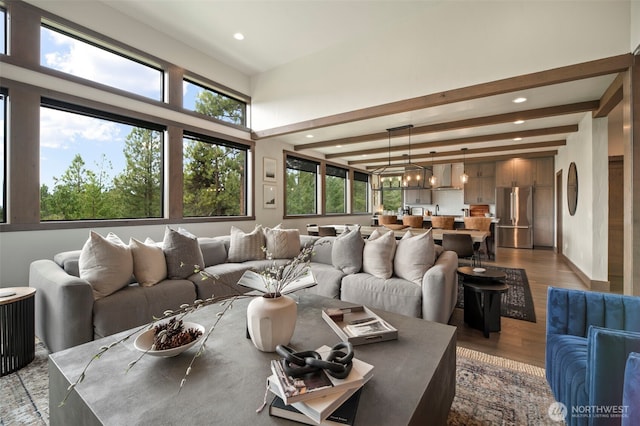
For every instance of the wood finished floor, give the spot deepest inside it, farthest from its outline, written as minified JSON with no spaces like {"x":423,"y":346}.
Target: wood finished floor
{"x":521,"y":340}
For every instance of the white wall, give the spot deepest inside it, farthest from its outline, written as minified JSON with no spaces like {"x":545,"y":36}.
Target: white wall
{"x":449,"y":45}
{"x":634,"y":18}
{"x":585,"y":233}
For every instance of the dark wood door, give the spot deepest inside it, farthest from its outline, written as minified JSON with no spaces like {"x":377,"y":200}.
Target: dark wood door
{"x":616,"y":222}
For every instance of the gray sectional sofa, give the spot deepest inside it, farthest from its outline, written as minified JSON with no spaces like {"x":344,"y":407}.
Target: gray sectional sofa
{"x":68,"y":314}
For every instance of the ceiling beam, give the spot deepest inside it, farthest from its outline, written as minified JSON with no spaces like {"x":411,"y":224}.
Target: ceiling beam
{"x":509,"y":117}
{"x":513,"y":147}
{"x":598,"y":67}
{"x":536,"y":154}
{"x":611,"y":97}
{"x":472,"y":139}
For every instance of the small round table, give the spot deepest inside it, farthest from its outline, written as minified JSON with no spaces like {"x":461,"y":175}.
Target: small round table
{"x":17,"y":334}
{"x":482,"y":297}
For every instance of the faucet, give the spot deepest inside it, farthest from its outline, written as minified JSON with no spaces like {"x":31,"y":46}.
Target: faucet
{"x":437,"y":209}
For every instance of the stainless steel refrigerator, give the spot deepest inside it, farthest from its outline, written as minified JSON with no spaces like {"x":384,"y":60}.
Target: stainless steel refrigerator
{"x":514,"y":208}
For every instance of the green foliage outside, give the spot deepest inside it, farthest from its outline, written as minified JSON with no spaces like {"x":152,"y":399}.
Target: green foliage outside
{"x":335,"y":194}
{"x":301,"y":192}
{"x":360,"y":190}
{"x":213,"y":181}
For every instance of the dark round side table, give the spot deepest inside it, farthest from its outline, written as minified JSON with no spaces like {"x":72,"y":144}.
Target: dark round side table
{"x":482,"y":297}
{"x":17,"y":334}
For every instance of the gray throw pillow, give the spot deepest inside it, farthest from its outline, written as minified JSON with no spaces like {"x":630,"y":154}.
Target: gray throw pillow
{"x":181,"y":253}
{"x":414,"y":256}
{"x":346,"y":253}
{"x":282,"y":243}
{"x":377,"y":256}
{"x":243,"y":247}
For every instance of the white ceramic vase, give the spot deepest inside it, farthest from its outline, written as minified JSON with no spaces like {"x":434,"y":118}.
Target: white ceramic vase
{"x":271,"y":321}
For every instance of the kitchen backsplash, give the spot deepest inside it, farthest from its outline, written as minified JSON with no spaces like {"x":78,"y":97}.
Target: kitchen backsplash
{"x":450,"y":202}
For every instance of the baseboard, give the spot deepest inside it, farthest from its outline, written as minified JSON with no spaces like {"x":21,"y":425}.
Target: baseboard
{"x":588,"y":282}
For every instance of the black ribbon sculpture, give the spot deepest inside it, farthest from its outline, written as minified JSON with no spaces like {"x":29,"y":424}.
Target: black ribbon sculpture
{"x":338,"y":363}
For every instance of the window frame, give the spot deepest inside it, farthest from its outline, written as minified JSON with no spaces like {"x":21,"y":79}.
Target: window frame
{"x":86,"y":111}
{"x":190,"y":78}
{"x":335,"y":172}
{"x":318,"y":174}
{"x":367,"y":200}
{"x":4,"y":94}
{"x":199,"y":137}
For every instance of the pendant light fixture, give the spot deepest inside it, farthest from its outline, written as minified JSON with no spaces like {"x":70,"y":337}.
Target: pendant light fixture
{"x":412,"y":175}
{"x":464,"y":178}
{"x":432,"y":180}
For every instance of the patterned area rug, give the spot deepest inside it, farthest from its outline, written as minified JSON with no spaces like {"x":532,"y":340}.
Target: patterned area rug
{"x":517,"y":302}
{"x":489,"y":391}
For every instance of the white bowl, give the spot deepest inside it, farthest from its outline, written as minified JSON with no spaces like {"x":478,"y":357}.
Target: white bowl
{"x":144,"y":341}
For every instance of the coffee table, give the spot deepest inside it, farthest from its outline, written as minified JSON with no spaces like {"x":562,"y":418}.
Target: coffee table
{"x":413,"y":382}
{"x":482,"y":297}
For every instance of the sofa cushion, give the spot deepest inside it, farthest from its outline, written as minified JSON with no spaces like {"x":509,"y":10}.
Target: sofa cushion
{"x":322,"y":250}
{"x":106,"y":263}
{"x":329,"y":280}
{"x":68,"y":260}
{"x":181,"y":252}
{"x":282,"y":243}
{"x":224,"y":282}
{"x":135,"y":305}
{"x":346,"y":253}
{"x":149,"y":265}
{"x":393,"y":294}
{"x":566,"y":372}
{"x":214,"y":250}
{"x":246,"y":246}
{"x":377,"y":256}
{"x":414,"y":256}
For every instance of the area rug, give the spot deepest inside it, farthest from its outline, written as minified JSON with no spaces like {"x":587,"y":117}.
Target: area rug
{"x":489,"y":391}
{"x":517,"y":302}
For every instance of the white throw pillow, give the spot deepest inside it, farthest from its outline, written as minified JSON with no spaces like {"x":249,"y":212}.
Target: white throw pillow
{"x":149,"y":264}
{"x":377,"y":256}
{"x":243,"y":246}
{"x":106,"y":263}
{"x":414,"y":256}
{"x":282,"y":243}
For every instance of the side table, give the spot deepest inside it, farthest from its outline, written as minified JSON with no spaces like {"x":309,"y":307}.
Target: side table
{"x":17,"y":334}
{"x":482,"y":298}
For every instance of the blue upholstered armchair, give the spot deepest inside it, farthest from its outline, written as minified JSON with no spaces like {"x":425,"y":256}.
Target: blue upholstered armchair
{"x":589,"y":338}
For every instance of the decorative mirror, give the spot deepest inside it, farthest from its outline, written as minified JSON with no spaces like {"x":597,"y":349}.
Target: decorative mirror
{"x":572,"y":188}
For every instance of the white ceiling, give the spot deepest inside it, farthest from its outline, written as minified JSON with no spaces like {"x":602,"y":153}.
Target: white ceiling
{"x":278,"y":32}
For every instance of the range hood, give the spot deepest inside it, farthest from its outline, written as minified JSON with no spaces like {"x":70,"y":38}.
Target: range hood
{"x":445,"y":179}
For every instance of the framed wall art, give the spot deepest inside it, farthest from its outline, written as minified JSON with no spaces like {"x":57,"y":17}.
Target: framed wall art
{"x":269,"y":169}
{"x":269,"y":196}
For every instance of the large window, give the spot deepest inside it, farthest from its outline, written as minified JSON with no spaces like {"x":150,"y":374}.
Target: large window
{"x":301,"y":186}
{"x":3,"y":31}
{"x":95,"y":165}
{"x":335,"y":189}
{"x":64,"y":52}
{"x":392,"y":192}
{"x":214,"y":104}
{"x":360,"y":195}
{"x":3,"y":156}
{"x":214,"y":177}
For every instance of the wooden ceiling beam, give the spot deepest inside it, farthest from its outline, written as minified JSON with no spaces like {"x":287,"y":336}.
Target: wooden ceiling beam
{"x":422,"y":157}
{"x":611,"y":97}
{"x":598,"y":67}
{"x":509,"y":117}
{"x":472,"y":139}
{"x":536,"y":154}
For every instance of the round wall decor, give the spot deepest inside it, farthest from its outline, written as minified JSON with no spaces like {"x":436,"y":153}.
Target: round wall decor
{"x":572,"y":188}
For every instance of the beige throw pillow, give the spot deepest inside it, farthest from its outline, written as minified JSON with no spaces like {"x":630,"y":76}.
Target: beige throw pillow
{"x":243,"y":246}
{"x":414,"y":256}
{"x":377,"y":256}
{"x":282,"y":243}
{"x":106,"y":263}
{"x":149,"y":265}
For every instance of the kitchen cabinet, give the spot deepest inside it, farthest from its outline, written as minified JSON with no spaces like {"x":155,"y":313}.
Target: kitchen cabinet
{"x":545,"y":172}
{"x":481,"y":187}
{"x":417,"y":196}
{"x":515,"y":172}
{"x":543,"y":211}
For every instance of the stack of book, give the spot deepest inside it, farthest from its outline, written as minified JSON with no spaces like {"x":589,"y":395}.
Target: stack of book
{"x":318,"y":398}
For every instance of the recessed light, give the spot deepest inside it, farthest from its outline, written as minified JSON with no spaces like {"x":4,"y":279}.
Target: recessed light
{"x":518,"y":122}
{"x":338,"y":146}
{"x":309,"y":136}
{"x":517,"y":139}
{"x":238,"y":36}
{"x":519,"y":100}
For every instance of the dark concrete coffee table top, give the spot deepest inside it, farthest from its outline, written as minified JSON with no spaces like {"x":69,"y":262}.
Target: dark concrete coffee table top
{"x":489,"y":274}
{"x":413,"y":382}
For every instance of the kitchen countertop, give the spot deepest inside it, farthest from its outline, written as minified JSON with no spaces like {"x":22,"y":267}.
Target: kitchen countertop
{"x":457,"y":218}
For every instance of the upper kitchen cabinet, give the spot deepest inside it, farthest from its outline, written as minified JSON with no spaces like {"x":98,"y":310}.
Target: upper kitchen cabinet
{"x":481,"y":187}
{"x":515,"y":172}
{"x":545,"y":172}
